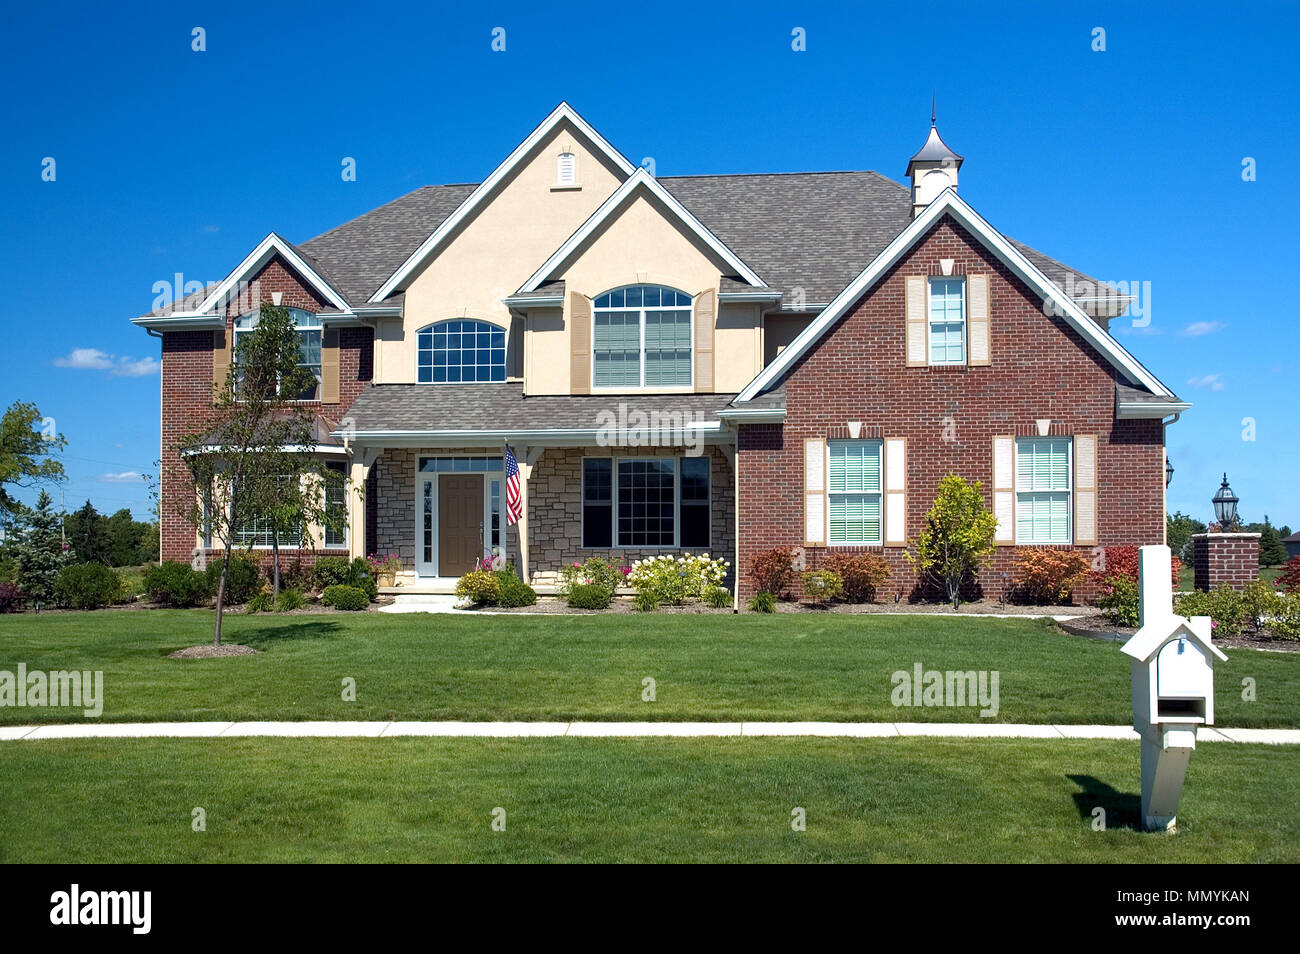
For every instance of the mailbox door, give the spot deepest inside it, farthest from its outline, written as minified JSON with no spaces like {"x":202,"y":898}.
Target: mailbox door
{"x":1182,"y":671}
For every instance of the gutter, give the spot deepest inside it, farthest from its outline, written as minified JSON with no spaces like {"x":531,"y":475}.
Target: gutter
{"x":753,"y":415}
{"x":1137,"y":410}
{"x":575,"y":436}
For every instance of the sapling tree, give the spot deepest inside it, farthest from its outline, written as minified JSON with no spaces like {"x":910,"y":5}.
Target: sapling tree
{"x":259,"y":433}
{"x":958,"y":536}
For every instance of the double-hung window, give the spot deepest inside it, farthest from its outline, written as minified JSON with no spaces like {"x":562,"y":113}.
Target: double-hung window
{"x":336,"y":505}
{"x":646,"y":502}
{"x":1043,"y":490}
{"x":641,"y":337}
{"x":853,"y":492}
{"x":947,"y":321}
{"x":309,"y":330}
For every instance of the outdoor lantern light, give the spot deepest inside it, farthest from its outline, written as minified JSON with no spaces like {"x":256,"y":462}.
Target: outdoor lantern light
{"x":1225,"y":506}
{"x":1169,"y":471}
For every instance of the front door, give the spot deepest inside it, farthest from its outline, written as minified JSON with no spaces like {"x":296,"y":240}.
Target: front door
{"x":460,"y":523}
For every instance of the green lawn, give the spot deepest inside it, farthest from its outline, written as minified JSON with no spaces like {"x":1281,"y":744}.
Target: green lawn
{"x":1187,"y":575}
{"x":534,"y":667}
{"x":286,"y":800}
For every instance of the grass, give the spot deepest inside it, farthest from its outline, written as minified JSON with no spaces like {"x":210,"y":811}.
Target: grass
{"x":537,"y":667}
{"x":1187,"y":575}
{"x":930,"y":800}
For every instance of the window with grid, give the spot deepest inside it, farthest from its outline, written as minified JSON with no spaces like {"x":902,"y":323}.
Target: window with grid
{"x":456,"y":352}
{"x":641,"y":337}
{"x":336,"y":505}
{"x":646,"y":502}
{"x":259,"y":531}
{"x":947,"y":321}
{"x":1043,"y":490}
{"x":309,"y":330}
{"x":853,"y":491}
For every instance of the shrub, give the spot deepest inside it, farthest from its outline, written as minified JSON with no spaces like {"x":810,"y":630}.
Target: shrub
{"x":243,"y":579}
{"x":330,"y":571}
{"x":296,"y":575}
{"x":821,"y":585}
{"x":772,"y":571}
{"x":645,"y":601}
{"x":263,"y":602}
{"x":1260,"y":601}
{"x":343,"y":597}
{"x":675,"y":580}
{"x":479,"y":586}
{"x":1045,"y":576}
{"x":862,"y":574}
{"x":609,"y":573}
{"x":763,"y":602}
{"x":290,"y":599}
{"x":87,"y":586}
{"x":513,"y":591}
{"x":1224,"y":605}
{"x":11,"y":598}
{"x":176,"y":584}
{"x":957,"y":537}
{"x":1289,"y":578}
{"x":360,"y":577}
{"x":719,"y":597}
{"x":1286,"y":623}
{"x":592,"y":596}
{"x":1123,"y":561}
{"x":1119,"y":600}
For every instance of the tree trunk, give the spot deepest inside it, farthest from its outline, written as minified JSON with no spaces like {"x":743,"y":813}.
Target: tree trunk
{"x":221,"y":596}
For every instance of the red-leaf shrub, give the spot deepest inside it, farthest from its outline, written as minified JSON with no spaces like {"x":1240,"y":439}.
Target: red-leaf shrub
{"x":1045,"y":576}
{"x":11,"y":598}
{"x":862,"y":573}
{"x":1289,"y":578}
{"x":773,"y":570}
{"x":1123,"y":561}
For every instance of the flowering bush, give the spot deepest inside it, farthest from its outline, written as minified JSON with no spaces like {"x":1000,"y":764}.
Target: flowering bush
{"x":609,"y":573}
{"x":391,"y":563}
{"x":861,"y":573}
{"x":674,"y":581}
{"x":773,"y":570}
{"x":1045,"y":576}
{"x":479,"y":586}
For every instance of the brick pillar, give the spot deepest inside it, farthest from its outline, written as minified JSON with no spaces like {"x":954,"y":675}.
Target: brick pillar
{"x":1225,"y":558}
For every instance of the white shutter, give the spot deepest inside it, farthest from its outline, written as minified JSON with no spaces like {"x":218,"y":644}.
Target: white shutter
{"x":978,"y":319}
{"x":1085,"y":489}
{"x":814,"y":492}
{"x":917,"y":346}
{"x":895,"y":486}
{"x":1004,"y":489}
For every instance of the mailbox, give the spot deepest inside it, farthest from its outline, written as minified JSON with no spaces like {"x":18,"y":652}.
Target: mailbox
{"x":1172,"y":666}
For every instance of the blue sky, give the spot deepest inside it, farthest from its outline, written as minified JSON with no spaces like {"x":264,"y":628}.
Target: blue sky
{"x":1126,"y":164}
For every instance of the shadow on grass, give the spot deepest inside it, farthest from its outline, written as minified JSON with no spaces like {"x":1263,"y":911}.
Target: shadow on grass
{"x":263,"y":637}
{"x":1122,"y":809}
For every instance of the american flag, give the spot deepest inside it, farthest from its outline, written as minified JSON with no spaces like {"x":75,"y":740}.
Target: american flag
{"x":514,"y":502}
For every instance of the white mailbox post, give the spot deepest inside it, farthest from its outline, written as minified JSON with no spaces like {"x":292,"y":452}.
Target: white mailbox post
{"x":1173,"y":688}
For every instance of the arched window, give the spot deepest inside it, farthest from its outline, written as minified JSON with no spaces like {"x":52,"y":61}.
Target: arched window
{"x":641,"y":337}
{"x":309,"y":343}
{"x":452,"y":352}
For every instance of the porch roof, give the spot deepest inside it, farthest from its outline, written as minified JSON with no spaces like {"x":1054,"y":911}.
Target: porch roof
{"x":500,"y":410}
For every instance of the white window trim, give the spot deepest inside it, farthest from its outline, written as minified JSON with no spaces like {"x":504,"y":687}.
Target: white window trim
{"x":642,"y":386}
{"x":1069,"y":494}
{"x":417,"y":494}
{"x":613,"y":505}
{"x":826,"y":469}
{"x":347,"y":524}
{"x":929,"y":323}
{"x":236,"y":331}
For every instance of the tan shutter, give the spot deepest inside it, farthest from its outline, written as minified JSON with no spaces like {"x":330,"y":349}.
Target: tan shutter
{"x":894,"y":511}
{"x":814,"y":492}
{"x":329,"y":366}
{"x":918,"y":355}
{"x":1004,"y":489}
{"x":978,"y":320}
{"x":1085,"y":489}
{"x":220,"y":357}
{"x":580,"y":344}
{"x":704,"y":316}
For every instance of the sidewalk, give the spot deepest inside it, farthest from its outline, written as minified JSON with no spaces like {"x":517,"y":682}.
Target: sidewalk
{"x":374,"y":730}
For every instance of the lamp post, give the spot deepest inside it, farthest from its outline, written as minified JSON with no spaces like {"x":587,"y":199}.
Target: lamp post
{"x":1225,"y":506}
{"x":1169,"y":471}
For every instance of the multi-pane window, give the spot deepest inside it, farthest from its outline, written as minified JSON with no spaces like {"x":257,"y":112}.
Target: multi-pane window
{"x":1043,"y":490}
{"x":641,"y":337}
{"x":947,"y":321}
{"x":453,"y":352}
{"x":853,"y":491}
{"x":646,"y":502}
{"x":309,"y":330}
{"x":336,"y":505}
{"x":259,"y":531}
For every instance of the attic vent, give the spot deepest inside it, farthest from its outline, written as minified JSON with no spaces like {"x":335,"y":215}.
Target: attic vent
{"x":566,"y":169}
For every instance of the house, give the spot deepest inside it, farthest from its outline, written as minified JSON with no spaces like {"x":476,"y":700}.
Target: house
{"x":1292,"y":544}
{"x":720,"y":363}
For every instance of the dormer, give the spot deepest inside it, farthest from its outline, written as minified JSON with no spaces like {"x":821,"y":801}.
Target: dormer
{"x":933,"y":169}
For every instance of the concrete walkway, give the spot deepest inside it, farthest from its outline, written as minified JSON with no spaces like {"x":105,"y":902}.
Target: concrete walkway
{"x":372,"y":730}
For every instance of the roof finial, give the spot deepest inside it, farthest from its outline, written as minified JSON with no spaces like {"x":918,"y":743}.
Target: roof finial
{"x":932,"y":113}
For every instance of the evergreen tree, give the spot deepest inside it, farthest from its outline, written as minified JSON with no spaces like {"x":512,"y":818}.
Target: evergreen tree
{"x":38,"y":551}
{"x":1272,"y":552}
{"x":86,"y":535}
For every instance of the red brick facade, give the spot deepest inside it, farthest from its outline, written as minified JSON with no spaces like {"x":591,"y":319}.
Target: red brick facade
{"x":1041,"y":368}
{"x":187,"y":372}
{"x":1230,"y":559}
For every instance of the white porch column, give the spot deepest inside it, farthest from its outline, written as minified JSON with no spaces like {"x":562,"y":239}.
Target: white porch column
{"x":526,"y":460}
{"x":363,"y":458}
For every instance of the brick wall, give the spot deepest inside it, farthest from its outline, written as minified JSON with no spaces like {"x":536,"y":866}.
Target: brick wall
{"x":1224,"y":558}
{"x":187,"y":393}
{"x":1041,"y":368}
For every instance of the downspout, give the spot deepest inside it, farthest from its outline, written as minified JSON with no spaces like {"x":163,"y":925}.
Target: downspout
{"x":1164,"y":486}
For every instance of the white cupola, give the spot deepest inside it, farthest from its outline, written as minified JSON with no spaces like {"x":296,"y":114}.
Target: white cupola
{"x":932,"y":169}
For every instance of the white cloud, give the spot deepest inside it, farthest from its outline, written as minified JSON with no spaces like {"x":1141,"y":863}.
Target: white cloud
{"x":93,"y":359}
{"x":1210,"y":381}
{"x":210,"y":229}
{"x":126,"y":477}
{"x":1198,"y":328}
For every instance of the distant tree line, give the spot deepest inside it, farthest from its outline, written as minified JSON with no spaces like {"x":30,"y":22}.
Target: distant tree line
{"x":1272,"y":551}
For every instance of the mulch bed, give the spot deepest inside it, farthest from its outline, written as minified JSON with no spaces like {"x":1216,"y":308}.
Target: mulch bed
{"x":623,"y":604}
{"x":213,"y":652}
{"x":1098,"y":627}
